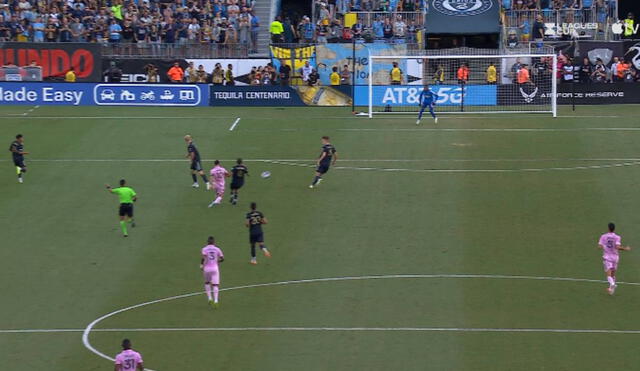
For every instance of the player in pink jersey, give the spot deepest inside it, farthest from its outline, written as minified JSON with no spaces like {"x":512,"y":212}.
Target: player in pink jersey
{"x":611,"y":245}
{"x":218,"y":173}
{"x":128,"y":359}
{"x":211,"y":256}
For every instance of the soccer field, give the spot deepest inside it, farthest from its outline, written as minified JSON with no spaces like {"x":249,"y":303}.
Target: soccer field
{"x":470,"y":245}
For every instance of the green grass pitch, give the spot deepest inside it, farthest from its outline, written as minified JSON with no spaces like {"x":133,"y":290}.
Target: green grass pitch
{"x":512,"y":195}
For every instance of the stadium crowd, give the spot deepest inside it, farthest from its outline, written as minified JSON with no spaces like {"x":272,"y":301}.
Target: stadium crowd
{"x":142,"y":22}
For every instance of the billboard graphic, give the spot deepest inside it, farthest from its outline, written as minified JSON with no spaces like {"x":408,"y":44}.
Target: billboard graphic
{"x":407,"y":95}
{"x":55,"y":59}
{"x":148,"y":95}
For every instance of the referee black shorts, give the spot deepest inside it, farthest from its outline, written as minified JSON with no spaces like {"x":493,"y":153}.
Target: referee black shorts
{"x":126,"y":210}
{"x":322,"y":168}
{"x":196,"y":166}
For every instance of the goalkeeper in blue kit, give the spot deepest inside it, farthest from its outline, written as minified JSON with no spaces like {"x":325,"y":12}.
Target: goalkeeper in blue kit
{"x":426,"y":100}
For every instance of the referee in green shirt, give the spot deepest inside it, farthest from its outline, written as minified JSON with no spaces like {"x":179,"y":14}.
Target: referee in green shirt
{"x":127,"y":197}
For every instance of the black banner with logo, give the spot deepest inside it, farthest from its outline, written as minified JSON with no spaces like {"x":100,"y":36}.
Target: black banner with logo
{"x":578,"y":93}
{"x":616,"y":93}
{"x":270,"y":96}
{"x":55,"y":59}
{"x":463,"y":17}
{"x":522,"y":94}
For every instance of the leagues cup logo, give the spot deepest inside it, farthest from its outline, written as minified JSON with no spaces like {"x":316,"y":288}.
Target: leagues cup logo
{"x":462,"y":7}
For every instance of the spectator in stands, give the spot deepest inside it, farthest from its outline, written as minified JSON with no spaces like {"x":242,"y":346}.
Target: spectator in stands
{"x":599,"y":71}
{"x":614,"y":69}
{"x":387,"y":29}
{"x":334,"y":77}
{"x":175,"y":73}
{"x":305,"y":71}
{"x":113,"y":73}
{"x":523,"y":76}
{"x":152,"y":73}
{"x":244,"y":29}
{"x":202,"y":75}
{"x":378,"y":28}
{"x":314,"y":78}
{"x":190,"y":73}
{"x":217,"y":76}
{"x":306,"y":30}
{"x":537,"y":31}
{"x":395,"y":74}
{"x":255,"y":27}
{"x":399,"y":28}
{"x":567,"y":71}
{"x":525,"y":30}
{"x":585,"y":71}
{"x":512,"y":39}
{"x":115,"y":32}
{"x":623,"y":70}
{"x":492,"y":74}
{"x":345,"y":75}
{"x":412,"y":32}
{"x":285,"y":72}
{"x":438,"y":75}
{"x":70,"y":76}
{"x":276,"y":29}
{"x":229,"y":79}
{"x":463,"y":74}
{"x":78,"y":31}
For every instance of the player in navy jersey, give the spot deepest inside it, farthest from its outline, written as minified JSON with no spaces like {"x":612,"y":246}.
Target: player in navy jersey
{"x":328,"y":157}
{"x":196,"y":166}
{"x":17,"y":153}
{"x":426,"y":100}
{"x":238,"y":173}
{"x":254,"y":221}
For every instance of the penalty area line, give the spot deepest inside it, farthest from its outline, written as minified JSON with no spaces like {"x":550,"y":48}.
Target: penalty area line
{"x":235,"y":123}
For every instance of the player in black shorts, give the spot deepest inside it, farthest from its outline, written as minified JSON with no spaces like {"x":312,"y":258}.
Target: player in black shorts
{"x":327,"y":158}
{"x":254,"y":222}
{"x":196,"y":166}
{"x":238,"y":173}
{"x":17,"y":152}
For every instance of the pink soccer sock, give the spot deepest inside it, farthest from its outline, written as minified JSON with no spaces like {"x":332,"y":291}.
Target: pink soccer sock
{"x":215,"y":293}
{"x":207,"y":288}
{"x":612,"y":280}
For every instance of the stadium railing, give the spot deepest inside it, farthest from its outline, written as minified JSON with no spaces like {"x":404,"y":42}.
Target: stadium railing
{"x":164,"y":50}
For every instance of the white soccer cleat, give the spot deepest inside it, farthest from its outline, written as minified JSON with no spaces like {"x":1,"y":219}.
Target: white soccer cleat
{"x":311,"y":186}
{"x":20,"y":180}
{"x":195,"y":185}
{"x":418,"y":122}
{"x":208,"y":186}
{"x":612,"y":289}
{"x":212,"y":204}
{"x":435,"y":120}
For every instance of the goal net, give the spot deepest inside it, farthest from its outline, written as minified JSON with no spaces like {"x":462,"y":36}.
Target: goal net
{"x":523,"y":83}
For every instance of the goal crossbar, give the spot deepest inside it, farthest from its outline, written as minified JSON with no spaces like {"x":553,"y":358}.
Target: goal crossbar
{"x":506,"y":95}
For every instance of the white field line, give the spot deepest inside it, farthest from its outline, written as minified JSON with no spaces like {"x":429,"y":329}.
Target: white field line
{"x":319,"y":329}
{"x":87,"y":331}
{"x":30,"y":110}
{"x":345,"y":160}
{"x":234,"y":124}
{"x":453,"y":171}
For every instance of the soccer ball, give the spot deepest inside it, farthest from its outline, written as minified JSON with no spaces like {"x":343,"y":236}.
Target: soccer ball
{"x":265,"y":174}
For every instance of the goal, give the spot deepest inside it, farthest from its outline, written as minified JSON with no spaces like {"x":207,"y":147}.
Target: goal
{"x":501,"y":83}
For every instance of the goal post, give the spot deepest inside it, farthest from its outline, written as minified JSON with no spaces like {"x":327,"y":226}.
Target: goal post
{"x":501,"y":83}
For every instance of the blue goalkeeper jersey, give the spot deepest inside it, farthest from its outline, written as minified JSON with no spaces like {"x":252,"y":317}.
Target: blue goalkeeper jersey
{"x":427,"y":97}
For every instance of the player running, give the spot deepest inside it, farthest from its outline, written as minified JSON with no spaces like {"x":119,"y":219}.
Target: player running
{"x":128,"y":359}
{"x":196,"y":166}
{"x":611,"y":245}
{"x":328,"y":157}
{"x":218,"y":173}
{"x":211,"y":257}
{"x":127,"y":197}
{"x":18,"y":152}
{"x":254,"y":222}
{"x":238,"y":173}
{"x":428,"y":99}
